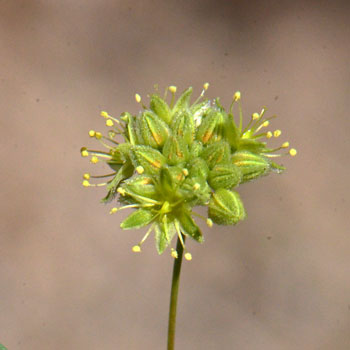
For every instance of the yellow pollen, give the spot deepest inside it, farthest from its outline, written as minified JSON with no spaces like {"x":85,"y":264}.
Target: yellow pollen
{"x":86,"y":176}
{"x":268,"y":134}
{"x":293,"y":152}
{"x":140,"y":169}
{"x":285,"y":144}
{"x":121,"y":191}
{"x":113,"y":210}
{"x":196,"y":186}
{"x":277,"y":133}
{"x":206,"y":86}
{"x":84,"y":152}
{"x":210,"y":222}
{"x":172,"y":89}
{"x":137,"y":98}
{"x":86,"y":183}
{"x":188,"y":256}
{"x":109,"y":122}
{"x":92,"y":133}
{"x":185,"y":171}
{"x":94,"y":160}
{"x":265,"y":123}
{"x":174,"y":253}
{"x":255,"y":116}
{"x":104,"y":114}
{"x":237,"y":96}
{"x":136,"y":249}
{"x":98,"y":135}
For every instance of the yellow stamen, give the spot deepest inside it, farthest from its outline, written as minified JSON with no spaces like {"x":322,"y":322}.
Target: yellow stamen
{"x":121,"y":191}
{"x":86,"y":183}
{"x":109,"y":122}
{"x":92,"y":133}
{"x":172,"y":89}
{"x":104,"y":114}
{"x":185,"y":171}
{"x":84,"y":152}
{"x":188,"y":256}
{"x":255,"y":116}
{"x":285,"y":145}
{"x":293,"y":152}
{"x":268,"y":134}
{"x":140,"y":169}
{"x":277,"y":133}
{"x":136,"y":249}
{"x":196,"y":186}
{"x":98,"y":135}
{"x":137,"y":98}
{"x":237,"y":96}
{"x":86,"y":176}
{"x":210,"y":222}
{"x":174,"y":253}
{"x":265,"y":123}
{"x":113,"y":210}
{"x":94,"y":160}
{"x":206,"y":86}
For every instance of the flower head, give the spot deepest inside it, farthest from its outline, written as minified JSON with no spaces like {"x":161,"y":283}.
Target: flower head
{"x":173,"y":157}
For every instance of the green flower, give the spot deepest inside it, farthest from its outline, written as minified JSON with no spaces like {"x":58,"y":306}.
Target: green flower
{"x":173,"y":157}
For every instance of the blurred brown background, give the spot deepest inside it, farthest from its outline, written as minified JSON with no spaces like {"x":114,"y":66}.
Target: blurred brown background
{"x":68,"y":278}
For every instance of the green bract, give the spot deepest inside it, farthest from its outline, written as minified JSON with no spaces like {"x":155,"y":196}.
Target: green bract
{"x":170,"y":158}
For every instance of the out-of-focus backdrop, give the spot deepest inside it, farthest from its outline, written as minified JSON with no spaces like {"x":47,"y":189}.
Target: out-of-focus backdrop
{"x":68,"y":278}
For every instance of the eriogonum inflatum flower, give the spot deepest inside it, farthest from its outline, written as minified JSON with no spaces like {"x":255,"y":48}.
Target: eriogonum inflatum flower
{"x":170,"y":158}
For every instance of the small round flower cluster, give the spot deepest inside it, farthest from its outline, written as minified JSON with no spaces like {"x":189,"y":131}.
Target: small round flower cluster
{"x":173,"y":157}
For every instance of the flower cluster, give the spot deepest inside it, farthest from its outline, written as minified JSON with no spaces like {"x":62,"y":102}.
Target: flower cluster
{"x":173,"y":157}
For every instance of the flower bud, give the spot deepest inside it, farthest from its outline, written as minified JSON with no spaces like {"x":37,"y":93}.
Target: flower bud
{"x":183,"y":103}
{"x":153,"y":129}
{"x":226,"y":207}
{"x":183,"y":126}
{"x":211,"y":128}
{"x":175,"y":150}
{"x":215,"y":153}
{"x":224,"y":175}
{"x":150,"y":159}
{"x":161,"y":108}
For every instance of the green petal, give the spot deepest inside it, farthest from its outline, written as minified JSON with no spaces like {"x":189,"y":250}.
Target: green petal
{"x":189,"y":227}
{"x":137,"y":219}
{"x":164,"y":233}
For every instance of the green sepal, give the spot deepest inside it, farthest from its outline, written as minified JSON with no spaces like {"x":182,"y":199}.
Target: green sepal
{"x":133,"y":129}
{"x":216,"y":153}
{"x":161,"y":108}
{"x":164,"y":233}
{"x":153,"y":129}
{"x":251,"y":165}
{"x":123,"y":173}
{"x":147,"y":157}
{"x":251,"y":145}
{"x":199,"y":168}
{"x":196,"y":149}
{"x":175,"y":150}
{"x":166,"y":183}
{"x":277,"y":167}
{"x":140,"y":187}
{"x":232,"y":133}
{"x":226,"y":207}
{"x":137,"y":219}
{"x":211,"y":127}
{"x":224,"y":175}
{"x":195,"y":190}
{"x":183,"y":102}
{"x":177,"y":174}
{"x":183,"y":126}
{"x":189,"y":227}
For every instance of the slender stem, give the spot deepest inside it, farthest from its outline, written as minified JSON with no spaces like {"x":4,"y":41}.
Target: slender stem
{"x":174,"y":293}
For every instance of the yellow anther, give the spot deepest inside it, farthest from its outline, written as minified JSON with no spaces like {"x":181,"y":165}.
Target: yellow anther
{"x":92,"y":133}
{"x":188,"y":256}
{"x":277,"y":133}
{"x":86,"y":183}
{"x":293,"y":152}
{"x":185,"y":171}
{"x":109,"y":122}
{"x":86,"y":176}
{"x":104,"y":114}
{"x":196,"y":186}
{"x":255,"y":116}
{"x":210,"y":222}
{"x":265,"y":123}
{"x":137,"y":98}
{"x":84,"y":152}
{"x":140,"y":169}
{"x":113,"y":210}
{"x":94,"y":160}
{"x":174,"y":253}
{"x":136,"y":249}
{"x":206,"y":86}
{"x":98,"y":135}
{"x":124,"y":118}
{"x":121,"y":191}
{"x":285,"y":144}
{"x":268,"y":134}
{"x":172,"y":89}
{"x":237,"y":96}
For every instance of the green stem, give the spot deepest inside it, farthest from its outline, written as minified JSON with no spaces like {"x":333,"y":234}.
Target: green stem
{"x":174,"y":293}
